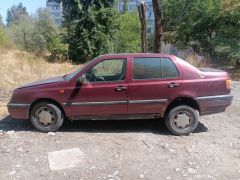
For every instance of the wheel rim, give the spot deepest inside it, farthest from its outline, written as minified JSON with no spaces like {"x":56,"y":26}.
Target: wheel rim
{"x":45,"y":116}
{"x":182,"y":120}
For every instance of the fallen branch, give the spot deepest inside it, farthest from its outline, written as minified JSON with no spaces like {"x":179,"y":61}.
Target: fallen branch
{"x":145,"y":144}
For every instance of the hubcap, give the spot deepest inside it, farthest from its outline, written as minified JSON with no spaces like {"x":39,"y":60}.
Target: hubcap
{"x":182,"y":120}
{"x":45,"y":116}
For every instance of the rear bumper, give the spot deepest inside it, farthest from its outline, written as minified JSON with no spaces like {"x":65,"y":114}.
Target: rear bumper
{"x":18,"y":110}
{"x":214,"y":104}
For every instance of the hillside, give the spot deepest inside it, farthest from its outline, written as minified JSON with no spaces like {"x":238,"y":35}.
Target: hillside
{"x":18,"y":68}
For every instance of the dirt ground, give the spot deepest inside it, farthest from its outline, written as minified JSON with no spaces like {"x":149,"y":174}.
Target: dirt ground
{"x":123,"y":149}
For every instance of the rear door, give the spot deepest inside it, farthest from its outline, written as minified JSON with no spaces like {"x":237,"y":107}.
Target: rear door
{"x":154,"y":81}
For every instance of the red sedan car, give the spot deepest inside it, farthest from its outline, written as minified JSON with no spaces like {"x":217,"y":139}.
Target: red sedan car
{"x":125,"y":86}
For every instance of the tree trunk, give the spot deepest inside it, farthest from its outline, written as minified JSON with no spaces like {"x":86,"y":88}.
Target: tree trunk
{"x":142,"y":16}
{"x":125,"y":6}
{"x":158,"y":12}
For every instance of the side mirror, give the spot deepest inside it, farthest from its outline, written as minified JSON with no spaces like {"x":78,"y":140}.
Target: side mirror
{"x":82,"y":80}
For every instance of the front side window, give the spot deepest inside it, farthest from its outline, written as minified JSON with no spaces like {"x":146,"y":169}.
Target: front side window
{"x":147,"y":68}
{"x":107,"y":70}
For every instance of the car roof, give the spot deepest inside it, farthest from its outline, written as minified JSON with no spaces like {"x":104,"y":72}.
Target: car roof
{"x":136,"y":55}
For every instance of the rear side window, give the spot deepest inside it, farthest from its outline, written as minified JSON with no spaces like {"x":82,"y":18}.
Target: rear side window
{"x":154,"y":68}
{"x":169,"y":70}
{"x":147,"y":68}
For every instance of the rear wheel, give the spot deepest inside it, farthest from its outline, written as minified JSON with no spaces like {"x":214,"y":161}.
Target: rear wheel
{"x":182,"y":120}
{"x":46,"y":117}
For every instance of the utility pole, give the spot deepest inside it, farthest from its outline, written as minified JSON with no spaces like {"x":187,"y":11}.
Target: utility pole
{"x":158,"y":12}
{"x":142,"y":16}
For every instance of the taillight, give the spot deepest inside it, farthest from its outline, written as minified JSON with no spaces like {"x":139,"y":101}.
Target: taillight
{"x":229,"y":84}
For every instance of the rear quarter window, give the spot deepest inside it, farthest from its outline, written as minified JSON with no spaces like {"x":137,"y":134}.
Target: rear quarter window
{"x":169,"y":69}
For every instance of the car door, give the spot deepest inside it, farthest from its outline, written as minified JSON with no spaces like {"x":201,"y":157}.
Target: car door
{"x":154,"y":81}
{"x":105,"y":92}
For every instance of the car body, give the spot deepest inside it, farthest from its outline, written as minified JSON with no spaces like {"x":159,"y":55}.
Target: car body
{"x":126,"y":86}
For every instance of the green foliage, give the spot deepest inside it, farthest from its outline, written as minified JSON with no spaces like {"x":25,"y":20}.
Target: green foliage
{"x":15,"y":13}
{"x":91,"y":28}
{"x":129,"y":39}
{"x":38,"y":34}
{"x":3,"y":38}
{"x":1,"y":21}
{"x":57,"y":48}
{"x":150,"y":41}
{"x":208,"y":26}
{"x":21,"y":31}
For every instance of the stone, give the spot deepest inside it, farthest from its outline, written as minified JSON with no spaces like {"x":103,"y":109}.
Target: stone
{"x":10,"y":132}
{"x":116,"y":173}
{"x":20,"y":149}
{"x":51,"y":134}
{"x":141,"y":176}
{"x":192,"y":171}
{"x":110,"y":176}
{"x":64,"y":159}
{"x":93,"y":167}
{"x":172,"y":150}
{"x":168,"y":177}
{"x":12,"y":173}
{"x":177,"y":169}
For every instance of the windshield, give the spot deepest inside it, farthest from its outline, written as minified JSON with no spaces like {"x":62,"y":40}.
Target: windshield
{"x":70,"y":76}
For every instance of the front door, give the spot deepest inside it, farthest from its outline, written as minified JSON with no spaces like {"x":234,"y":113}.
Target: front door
{"x":105,"y":92}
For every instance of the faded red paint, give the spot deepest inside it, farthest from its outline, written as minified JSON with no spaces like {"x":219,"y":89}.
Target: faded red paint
{"x":193,"y":83}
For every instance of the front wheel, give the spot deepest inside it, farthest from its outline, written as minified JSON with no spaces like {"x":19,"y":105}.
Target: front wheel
{"x":182,"y":120}
{"x":46,"y":117}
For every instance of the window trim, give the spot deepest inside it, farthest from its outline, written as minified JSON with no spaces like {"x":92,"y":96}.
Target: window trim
{"x":156,"y":79}
{"x":104,"y":82}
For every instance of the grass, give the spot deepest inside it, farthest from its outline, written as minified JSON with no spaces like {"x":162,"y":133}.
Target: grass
{"x":18,"y":68}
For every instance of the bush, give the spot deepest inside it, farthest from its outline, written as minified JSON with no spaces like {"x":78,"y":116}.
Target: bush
{"x":4,"y":40}
{"x":129,"y":37}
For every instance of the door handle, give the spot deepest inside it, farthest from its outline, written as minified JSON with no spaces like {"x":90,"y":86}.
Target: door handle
{"x":121,"y":88}
{"x":172,"y":85}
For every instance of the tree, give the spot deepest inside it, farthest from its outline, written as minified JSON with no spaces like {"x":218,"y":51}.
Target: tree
{"x":3,"y":38}
{"x":38,"y":34}
{"x":15,"y":13}
{"x":157,"y":8}
{"x":125,"y":6}
{"x":207,"y":26}
{"x":44,"y":29}
{"x":21,"y":32}
{"x":91,"y":28}
{"x":129,"y":39}
{"x":1,"y":21}
{"x":142,"y":16}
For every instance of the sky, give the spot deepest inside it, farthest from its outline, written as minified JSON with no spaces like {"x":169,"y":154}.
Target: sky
{"x":31,"y":5}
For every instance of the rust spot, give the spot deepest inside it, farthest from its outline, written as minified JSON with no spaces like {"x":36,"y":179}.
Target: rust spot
{"x":61,"y":91}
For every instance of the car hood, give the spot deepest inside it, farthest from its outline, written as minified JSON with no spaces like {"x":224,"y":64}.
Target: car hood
{"x":45,"y":81}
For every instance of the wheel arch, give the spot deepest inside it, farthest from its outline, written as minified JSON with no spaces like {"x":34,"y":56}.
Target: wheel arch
{"x":185,"y":100}
{"x":46,"y":100}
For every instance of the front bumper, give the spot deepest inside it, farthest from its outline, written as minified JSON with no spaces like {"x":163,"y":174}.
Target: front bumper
{"x":214,"y":104}
{"x":18,"y":110}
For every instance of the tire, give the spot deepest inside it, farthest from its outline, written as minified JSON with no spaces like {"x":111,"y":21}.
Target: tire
{"x":46,"y":117}
{"x":182,"y":120}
